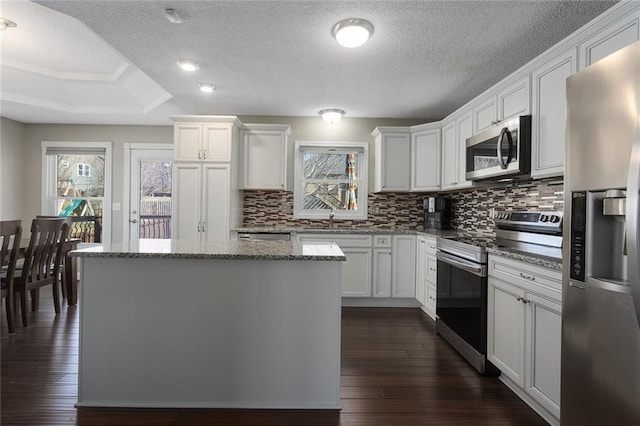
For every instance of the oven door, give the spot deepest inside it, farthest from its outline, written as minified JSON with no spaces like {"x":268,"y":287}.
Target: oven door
{"x":462,"y":299}
{"x":502,"y":151}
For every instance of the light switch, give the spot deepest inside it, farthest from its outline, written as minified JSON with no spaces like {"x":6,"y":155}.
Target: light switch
{"x":115,"y":207}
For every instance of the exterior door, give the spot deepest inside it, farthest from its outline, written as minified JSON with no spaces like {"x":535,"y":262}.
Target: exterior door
{"x":150,"y":204}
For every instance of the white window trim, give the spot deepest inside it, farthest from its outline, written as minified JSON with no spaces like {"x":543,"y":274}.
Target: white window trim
{"x":49,"y":180}
{"x":298,"y":190}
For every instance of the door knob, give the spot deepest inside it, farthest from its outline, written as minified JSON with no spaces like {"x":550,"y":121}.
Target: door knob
{"x":134,"y":221}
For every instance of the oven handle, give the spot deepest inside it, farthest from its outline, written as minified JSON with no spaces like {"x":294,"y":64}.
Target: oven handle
{"x":466,"y":265}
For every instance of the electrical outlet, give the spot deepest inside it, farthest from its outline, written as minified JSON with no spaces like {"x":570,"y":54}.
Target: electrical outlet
{"x":286,"y":208}
{"x":115,"y":207}
{"x":375,"y":209}
{"x":492,"y":213}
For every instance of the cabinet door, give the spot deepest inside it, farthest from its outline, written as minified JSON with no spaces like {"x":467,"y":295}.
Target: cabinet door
{"x":186,"y":201}
{"x":432,"y":269}
{"x":395,"y":162}
{"x":544,"y":320}
{"x":449,"y":156}
{"x":621,"y":34}
{"x":485,"y":115}
{"x":515,"y":100}
{"x":548,"y":119}
{"x":505,"y":334}
{"x":186,"y":141}
{"x":265,"y":156}
{"x":464,"y":130}
{"x":425,"y":161}
{"x":382,"y":272}
{"x":215,"y":200}
{"x":216,"y":143}
{"x":356,"y":272}
{"x":421,"y":271}
{"x":403,"y":254}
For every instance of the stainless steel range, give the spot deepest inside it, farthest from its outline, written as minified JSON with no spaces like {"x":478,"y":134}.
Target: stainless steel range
{"x":462,"y":276}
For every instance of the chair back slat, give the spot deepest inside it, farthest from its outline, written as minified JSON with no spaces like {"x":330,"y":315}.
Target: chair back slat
{"x":10,"y":232}
{"x":44,"y":248}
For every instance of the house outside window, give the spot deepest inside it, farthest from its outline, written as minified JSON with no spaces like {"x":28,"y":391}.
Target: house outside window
{"x":330,"y":177}
{"x":84,"y":170}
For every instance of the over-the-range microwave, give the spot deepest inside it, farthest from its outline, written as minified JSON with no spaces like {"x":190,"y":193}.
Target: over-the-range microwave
{"x":502,"y":151}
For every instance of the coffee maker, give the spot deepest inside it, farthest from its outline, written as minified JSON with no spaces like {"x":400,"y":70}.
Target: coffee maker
{"x":437,"y":213}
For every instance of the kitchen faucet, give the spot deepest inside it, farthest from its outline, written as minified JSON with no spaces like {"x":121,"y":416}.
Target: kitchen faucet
{"x":331,"y":216}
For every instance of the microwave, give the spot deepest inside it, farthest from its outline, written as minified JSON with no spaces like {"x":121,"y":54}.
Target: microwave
{"x":501,"y":152}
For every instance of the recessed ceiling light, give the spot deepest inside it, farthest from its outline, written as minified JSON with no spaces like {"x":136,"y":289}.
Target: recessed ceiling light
{"x":207,"y":87}
{"x":172,"y":16}
{"x":352,"y":32}
{"x":5,"y":23}
{"x":331,"y":115}
{"x":188,"y":64}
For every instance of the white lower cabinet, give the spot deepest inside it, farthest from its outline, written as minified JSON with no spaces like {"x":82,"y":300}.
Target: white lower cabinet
{"x":403,"y":269}
{"x":356,"y":275}
{"x":426,"y":274}
{"x":524,"y":331}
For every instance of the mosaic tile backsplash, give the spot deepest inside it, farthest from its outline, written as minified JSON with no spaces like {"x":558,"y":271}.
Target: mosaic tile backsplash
{"x":471,"y":208}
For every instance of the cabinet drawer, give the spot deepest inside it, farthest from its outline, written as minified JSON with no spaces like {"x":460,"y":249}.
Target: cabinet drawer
{"x":382,"y":240}
{"x":432,"y":269}
{"x":342,"y":240}
{"x":546,"y":282}
{"x":431,"y":246}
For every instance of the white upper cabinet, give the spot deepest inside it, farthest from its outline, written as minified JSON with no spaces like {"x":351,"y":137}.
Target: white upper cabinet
{"x":392,"y":159}
{"x":454,"y":136}
{"x":622,"y":33}
{"x":512,"y":101}
{"x":549,"y":112}
{"x":264,"y":156}
{"x":204,"y":138}
{"x":425,"y":158}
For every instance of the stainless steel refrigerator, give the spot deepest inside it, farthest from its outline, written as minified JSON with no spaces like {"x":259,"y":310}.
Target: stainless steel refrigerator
{"x":601,"y":277}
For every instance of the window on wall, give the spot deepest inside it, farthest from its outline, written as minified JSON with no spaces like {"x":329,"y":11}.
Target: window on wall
{"x":76,"y":183}
{"x":330,"y":177}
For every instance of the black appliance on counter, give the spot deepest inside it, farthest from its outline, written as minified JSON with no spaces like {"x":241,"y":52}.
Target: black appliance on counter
{"x":437,"y":213}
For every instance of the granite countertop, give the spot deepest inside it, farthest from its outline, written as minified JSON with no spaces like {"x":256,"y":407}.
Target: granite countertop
{"x":238,"y":250}
{"x":534,"y":259}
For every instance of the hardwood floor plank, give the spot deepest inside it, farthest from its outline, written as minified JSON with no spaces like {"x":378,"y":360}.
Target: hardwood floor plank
{"x":395,"y":371}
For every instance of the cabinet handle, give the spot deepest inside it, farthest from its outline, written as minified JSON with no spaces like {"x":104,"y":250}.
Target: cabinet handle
{"x":527,"y":277}
{"x":204,"y":154}
{"x":199,"y":226}
{"x":519,"y":299}
{"x":199,"y":154}
{"x":431,"y":297}
{"x":203,"y":227}
{"x":432,"y":270}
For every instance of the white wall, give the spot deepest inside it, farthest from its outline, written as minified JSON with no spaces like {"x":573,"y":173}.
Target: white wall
{"x":13,"y":171}
{"x":117,"y":135}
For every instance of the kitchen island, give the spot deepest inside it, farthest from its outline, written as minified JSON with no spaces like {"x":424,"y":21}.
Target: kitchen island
{"x":195,"y":324}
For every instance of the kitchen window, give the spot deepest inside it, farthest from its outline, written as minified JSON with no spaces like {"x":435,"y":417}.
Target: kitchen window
{"x":330,"y":177}
{"x":76,"y":181}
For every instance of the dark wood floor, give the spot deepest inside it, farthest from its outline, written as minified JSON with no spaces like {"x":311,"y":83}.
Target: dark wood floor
{"x":395,"y":371}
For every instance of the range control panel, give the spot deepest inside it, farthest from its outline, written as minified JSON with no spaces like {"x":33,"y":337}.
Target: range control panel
{"x":531,"y":221}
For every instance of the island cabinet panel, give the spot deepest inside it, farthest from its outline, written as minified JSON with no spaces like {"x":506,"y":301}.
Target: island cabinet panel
{"x":253,"y":334}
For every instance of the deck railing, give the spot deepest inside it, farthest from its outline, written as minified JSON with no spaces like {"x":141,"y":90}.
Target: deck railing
{"x":155,"y":226}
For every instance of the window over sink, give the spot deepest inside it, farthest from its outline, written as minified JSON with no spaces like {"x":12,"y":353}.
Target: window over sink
{"x":330,"y":177}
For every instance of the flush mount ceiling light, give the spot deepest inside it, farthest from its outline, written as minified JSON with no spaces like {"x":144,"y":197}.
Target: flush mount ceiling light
{"x":206,"y":87}
{"x":5,"y":23}
{"x":331,"y":115}
{"x":172,"y":16}
{"x":352,"y":32}
{"x":188,"y":64}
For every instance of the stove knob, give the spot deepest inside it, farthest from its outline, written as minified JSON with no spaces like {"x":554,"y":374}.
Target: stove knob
{"x":554,"y":219}
{"x":544,"y":218}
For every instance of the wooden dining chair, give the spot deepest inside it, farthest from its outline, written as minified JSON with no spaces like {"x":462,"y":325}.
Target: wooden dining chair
{"x":40,"y":267}
{"x":65,"y":251}
{"x":10,"y":233}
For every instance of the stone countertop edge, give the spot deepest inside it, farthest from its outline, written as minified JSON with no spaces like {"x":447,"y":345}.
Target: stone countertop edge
{"x":229,"y":250}
{"x":534,"y":259}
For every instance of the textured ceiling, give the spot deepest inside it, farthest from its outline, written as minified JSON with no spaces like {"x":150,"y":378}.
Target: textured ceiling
{"x":424,"y":60}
